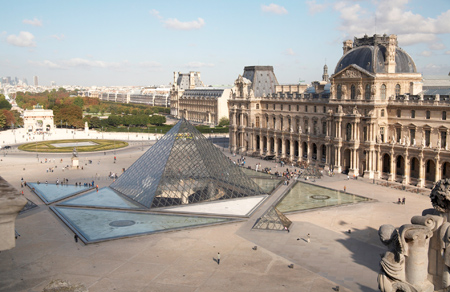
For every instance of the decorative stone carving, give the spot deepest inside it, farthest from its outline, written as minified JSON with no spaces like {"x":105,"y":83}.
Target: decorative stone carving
{"x":418,"y":256}
{"x":351,"y":73}
{"x":11,"y":202}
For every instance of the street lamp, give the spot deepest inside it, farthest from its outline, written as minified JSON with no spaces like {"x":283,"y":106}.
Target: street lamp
{"x":102,"y":132}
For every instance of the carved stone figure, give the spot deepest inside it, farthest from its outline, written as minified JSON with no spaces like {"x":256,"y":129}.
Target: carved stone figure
{"x":74,"y":152}
{"x":418,"y":256}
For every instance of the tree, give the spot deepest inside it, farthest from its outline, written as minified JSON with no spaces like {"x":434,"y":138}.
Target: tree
{"x":71,"y":114}
{"x":157,"y":120}
{"x":4,"y":104}
{"x":224,"y":122}
{"x":2,"y":121}
{"x":114,"y":120}
{"x":78,"y":101}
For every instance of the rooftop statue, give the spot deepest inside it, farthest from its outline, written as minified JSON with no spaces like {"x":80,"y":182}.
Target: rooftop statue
{"x":418,"y":256}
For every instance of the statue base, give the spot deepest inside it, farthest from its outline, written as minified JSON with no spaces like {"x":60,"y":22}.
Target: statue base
{"x":75,"y":162}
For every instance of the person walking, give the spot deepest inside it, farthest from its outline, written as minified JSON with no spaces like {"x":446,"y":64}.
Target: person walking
{"x":308,"y":238}
{"x":345,"y":189}
{"x":218,"y":258}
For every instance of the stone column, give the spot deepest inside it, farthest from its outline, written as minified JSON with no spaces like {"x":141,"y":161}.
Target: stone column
{"x":421,"y":179}
{"x":438,"y":172}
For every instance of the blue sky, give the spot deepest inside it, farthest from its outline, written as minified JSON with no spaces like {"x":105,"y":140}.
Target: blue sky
{"x":143,"y":42}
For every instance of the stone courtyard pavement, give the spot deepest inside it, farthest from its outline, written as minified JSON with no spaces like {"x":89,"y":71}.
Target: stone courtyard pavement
{"x":185,"y":260}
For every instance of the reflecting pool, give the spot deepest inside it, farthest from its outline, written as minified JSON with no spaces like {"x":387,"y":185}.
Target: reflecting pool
{"x":305,"y":196}
{"x":50,"y":193}
{"x":95,"y":225}
{"x":104,"y":198}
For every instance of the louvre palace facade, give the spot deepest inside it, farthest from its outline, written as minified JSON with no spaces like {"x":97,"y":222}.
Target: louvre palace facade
{"x":372,"y":117}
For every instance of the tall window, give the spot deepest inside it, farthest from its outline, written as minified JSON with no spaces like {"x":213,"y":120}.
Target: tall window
{"x":281,"y":107}
{"x":324,"y":109}
{"x":267,"y":122}
{"x":383,"y":92}
{"x":398,"y":133}
{"x":428,"y":115}
{"x":381,"y":134}
{"x":298,"y":107}
{"x":257,"y":122}
{"x":353,"y":92}
{"x":382,"y":113}
{"x":348,"y":132}
{"x":289,"y":107}
{"x":412,"y":136}
{"x":306,"y":127}
{"x":257,"y":106}
{"x":273,"y":106}
{"x":367,"y":92}
{"x":399,"y":113}
{"x":315,"y":109}
{"x":281,"y":124}
{"x":365,"y":133}
{"x":427,"y":137}
{"x":397,"y":90}
{"x":324,"y":128}
{"x":289,"y":124}
{"x":274,"y":123}
{"x":444,"y":115}
{"x":443,"y":139}
{"x":315,"y":127}
{"x":413,"y":114}
{"x":306,"y":108}
{"x":339,"y":91}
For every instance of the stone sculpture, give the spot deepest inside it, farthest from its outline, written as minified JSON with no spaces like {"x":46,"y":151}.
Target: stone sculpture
{"x":418,"y":256}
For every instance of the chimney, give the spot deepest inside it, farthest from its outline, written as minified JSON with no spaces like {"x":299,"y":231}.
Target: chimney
{"x":348,"y":45}
{"x":390,"y":53}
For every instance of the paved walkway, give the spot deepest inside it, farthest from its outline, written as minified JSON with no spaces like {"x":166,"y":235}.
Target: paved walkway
{"x":184,"y":260}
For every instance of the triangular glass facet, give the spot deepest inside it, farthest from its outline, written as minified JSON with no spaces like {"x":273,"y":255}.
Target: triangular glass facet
{"x":183,"y":167}
{"x":273,"y":220}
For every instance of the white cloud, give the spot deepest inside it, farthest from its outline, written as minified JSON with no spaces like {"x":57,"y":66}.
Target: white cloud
{"x":198,"y":65}
{"x":314,"y":7}
{"x":79,"y":62}
{"x":447,"y":53}
{"x":58,"y":37}
{"x":155,"y":13}
{"x":426,"y":53}
{"x":274,"y":8}
{"x":390,"y":17}
{"x":150,"y":64}
{"x":437,"y":46}
{"x":24,"y":39}
{"x":289,"y":52}
{"x":34,"y":22}
{"x":174,"y":23}
{"x":46,"y":64}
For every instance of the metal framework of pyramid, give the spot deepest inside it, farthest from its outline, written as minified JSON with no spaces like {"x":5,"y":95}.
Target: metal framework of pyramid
{"x":273,"y":219}
{"x":183,"y":167}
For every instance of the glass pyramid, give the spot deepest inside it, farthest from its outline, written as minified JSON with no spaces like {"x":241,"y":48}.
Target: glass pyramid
{"x":183,"y":167}
{"x":272,"y":220}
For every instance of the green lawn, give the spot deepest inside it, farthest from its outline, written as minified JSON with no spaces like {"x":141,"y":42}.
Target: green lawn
{"x":46,"y":146}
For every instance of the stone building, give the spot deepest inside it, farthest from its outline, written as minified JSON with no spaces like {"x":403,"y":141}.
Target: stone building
{"x":38,"y":119}
{"x":191,"y":100}
{"x":374,"y":118}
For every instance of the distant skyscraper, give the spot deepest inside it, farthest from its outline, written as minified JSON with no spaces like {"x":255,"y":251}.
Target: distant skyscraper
{"x":8,"y":80}
{"x":25,"y":81}
{"x":35,"y":80}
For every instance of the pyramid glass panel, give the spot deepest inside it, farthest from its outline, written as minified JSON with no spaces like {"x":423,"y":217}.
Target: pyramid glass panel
{"x":183,"y":167}
{"x":50,"y":193}
{"x":273,"y":219}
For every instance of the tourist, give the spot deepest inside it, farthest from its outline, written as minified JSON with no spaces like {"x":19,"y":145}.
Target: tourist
{"x":403,"y":201}
{"x":345,"y":189}
{"x":399,"y":201}
{"x":218,"y":258}
{"x":308,"y":238}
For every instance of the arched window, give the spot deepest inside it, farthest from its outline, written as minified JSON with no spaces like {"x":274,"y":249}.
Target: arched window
{"x":353,"y":92}
{"x":339,"y":92}
{"x":383,"y":92}
{"x":367,"y":92}
{"x":397,"y":90}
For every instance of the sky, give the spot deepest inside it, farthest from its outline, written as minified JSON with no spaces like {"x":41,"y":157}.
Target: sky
{"x":141,"y":43}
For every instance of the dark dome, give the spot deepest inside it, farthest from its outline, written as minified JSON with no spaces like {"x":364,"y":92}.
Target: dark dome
{"x":372,"y":59}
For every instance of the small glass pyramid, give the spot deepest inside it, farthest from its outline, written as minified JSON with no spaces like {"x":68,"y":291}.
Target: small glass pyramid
{"x":183,"y":167}
{"x":273,"y":220}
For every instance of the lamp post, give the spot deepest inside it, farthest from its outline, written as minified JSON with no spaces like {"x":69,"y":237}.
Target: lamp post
{"x":128,"y":134}
{"x":102,"y":132}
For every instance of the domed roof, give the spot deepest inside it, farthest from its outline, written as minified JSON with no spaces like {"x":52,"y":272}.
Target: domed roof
{"x":372,"y":59}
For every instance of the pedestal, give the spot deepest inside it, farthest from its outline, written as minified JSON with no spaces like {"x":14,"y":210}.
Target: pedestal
{"x":75,"y":162}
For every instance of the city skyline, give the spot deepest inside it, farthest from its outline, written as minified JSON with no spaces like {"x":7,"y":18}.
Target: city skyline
{"x":141,"y":43}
